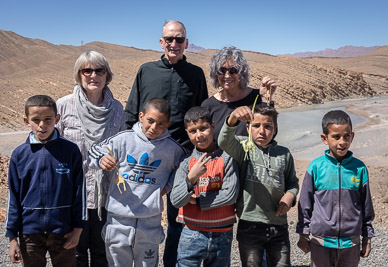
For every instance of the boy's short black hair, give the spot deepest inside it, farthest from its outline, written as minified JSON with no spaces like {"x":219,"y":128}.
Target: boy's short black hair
{"x":159,"y":104}
{"x":40,"y":101}
{"x":335,"y":117}
{"x":197,"y":113}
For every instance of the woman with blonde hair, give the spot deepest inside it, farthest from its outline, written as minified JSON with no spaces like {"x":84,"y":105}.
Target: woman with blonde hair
{"x":89,"y":115}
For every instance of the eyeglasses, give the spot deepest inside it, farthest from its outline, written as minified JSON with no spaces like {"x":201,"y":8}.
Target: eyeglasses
{"x":179,"y":40}
{"x":232,"y":70}
{"x":89,"y":71}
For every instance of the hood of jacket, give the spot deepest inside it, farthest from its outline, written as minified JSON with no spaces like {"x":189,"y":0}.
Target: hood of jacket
{"x":139,"y":132}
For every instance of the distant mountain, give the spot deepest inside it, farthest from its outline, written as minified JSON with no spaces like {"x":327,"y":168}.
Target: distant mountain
{"x":194,"y":48}
{"x":345,"y":51}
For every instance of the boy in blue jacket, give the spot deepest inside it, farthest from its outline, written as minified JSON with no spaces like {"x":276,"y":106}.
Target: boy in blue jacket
{"x":46,"y":203}
{"x":335,"y":206}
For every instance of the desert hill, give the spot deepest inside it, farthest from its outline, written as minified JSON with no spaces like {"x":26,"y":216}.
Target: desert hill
{"x":32,"y":66}
{"x":374,"y":66}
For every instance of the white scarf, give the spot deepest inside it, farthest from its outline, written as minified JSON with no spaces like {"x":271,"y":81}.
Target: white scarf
{"x":94,"y":119}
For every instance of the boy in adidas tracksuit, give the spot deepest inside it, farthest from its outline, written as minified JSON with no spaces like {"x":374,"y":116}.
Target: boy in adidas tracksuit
{"x":146,"y":157}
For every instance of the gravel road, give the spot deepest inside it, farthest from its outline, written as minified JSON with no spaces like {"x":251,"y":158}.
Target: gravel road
{"x":378,"y":257}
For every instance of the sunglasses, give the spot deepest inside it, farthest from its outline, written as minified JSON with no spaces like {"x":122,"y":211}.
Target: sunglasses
{"x":232,"y":70}
{"x":89,"y":72}
{"x":179,"y":40}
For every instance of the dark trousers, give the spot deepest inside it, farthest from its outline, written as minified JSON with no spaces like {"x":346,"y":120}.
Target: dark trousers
{"x":322,"y":256}
{"x":91,"y":240}
{"x":174,"y":231}
{"x":34,"y":248}
{"x":253,"y":238}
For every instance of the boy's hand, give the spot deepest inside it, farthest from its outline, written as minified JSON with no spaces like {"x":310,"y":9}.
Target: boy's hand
{"x":72,"y":238}
{"x":14,"y":250}
{"x":304,"y":243}
{"x":198,"y":169}
{"x":193,"y":199}
{"x":243,"y":113}
{"x":366,"y":247}
{"x":285,"y":204}
{"x":108,"y":163}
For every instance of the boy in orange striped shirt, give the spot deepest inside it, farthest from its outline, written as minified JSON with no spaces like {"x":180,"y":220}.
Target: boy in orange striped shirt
{"x":205,"y":190}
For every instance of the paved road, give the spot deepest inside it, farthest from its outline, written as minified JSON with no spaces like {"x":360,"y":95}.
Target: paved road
{"x":10,"y":140}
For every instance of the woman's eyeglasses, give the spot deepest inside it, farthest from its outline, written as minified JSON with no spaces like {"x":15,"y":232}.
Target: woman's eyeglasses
{"x":179,"y":40}
{"x":231,"y":71}
{"x":89,"y":71}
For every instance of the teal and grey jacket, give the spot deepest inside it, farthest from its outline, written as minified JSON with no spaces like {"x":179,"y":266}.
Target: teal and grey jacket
{"x":335,"y":204}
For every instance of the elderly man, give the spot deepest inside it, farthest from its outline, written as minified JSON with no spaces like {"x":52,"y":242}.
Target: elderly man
{"x":183,"y":85}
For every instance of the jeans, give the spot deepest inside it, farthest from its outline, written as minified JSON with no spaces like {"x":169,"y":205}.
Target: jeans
{"x":35,"y":246}
{"x":173,"y":234}
{"x":91,"y":239}
{"x":253,"y":238}
{"x":265,"y":259}
{"x":212,"y":248}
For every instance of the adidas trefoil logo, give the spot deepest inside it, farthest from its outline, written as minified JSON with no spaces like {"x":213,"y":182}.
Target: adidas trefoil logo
{"x":142,"y":168}
{"x":149,"y":254}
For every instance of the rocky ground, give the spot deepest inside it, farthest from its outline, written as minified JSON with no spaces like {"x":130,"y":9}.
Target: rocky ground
{"x":379,"y":187}
{"x":371,"y":147}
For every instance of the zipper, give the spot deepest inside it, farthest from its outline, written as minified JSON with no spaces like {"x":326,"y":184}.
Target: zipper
{"x":43,"y":187}
{"x":171,"y":94}
{"x":339,"y":205}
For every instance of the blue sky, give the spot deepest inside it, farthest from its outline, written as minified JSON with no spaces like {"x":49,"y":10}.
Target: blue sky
{"x":272,"y":26}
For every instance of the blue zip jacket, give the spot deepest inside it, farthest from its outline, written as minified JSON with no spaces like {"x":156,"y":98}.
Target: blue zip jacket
{"x":335,"y":203}
{"x":46,"y":188}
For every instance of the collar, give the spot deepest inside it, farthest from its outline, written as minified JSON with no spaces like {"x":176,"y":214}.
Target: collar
{"x":271,"y":144}
{"x":348,"y":157}
{"x":33,"y":140}
{"x":169,"y":65}
{"x":139,"y":132}
{"x":217,"y":152}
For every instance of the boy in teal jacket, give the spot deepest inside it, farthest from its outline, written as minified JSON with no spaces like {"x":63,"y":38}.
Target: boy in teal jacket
{"x":335,"y":206}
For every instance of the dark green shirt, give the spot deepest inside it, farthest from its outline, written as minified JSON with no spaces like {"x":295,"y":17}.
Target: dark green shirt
{"x":265,"y":177}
